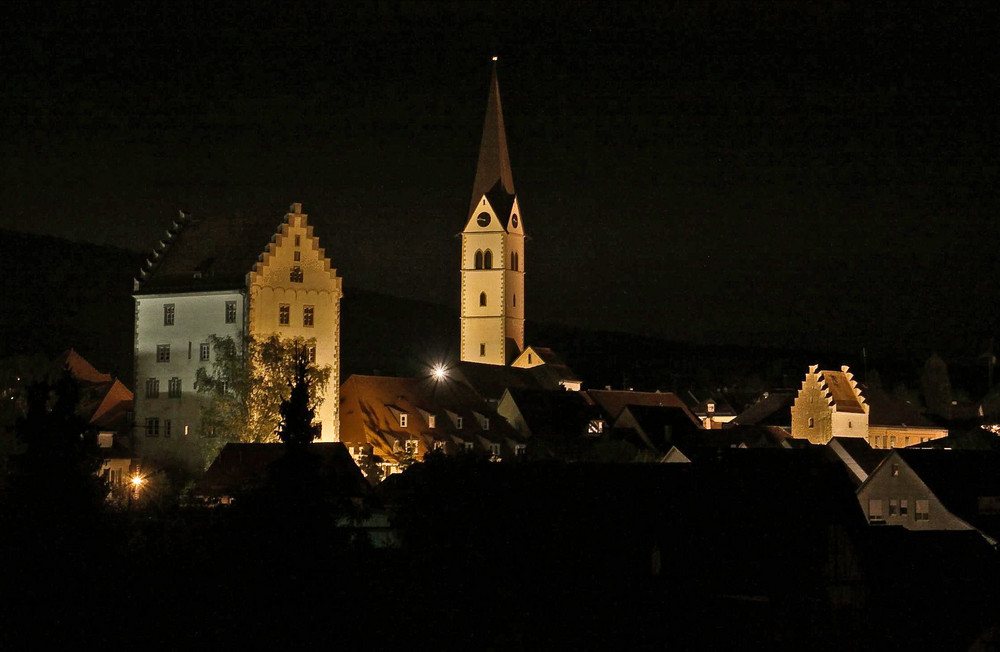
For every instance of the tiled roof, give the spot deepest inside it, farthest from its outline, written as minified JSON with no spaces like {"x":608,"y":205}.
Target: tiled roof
{"x":886,"y":410}
{"x":614,"y":401}
{"x":239,"y":466}
{"x":208,"y":253}
{"x":773,"y":408}
{"x":843,"y":394}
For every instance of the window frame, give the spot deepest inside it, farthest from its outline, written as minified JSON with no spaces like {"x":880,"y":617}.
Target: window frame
{"x":163,"y":353}
{"x":284,"y":314}
{"x":230,"y":312}
{"x":169,"y":314}
{"x":308,"y":316}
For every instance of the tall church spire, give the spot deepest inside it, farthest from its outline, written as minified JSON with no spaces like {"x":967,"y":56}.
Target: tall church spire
{"x":494,"y":162}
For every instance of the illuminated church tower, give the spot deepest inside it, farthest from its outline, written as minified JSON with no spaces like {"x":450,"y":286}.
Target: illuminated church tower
{"x":493,"y":251}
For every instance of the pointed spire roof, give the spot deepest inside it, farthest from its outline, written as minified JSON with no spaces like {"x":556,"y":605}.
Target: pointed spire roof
{"x":493,"y":168}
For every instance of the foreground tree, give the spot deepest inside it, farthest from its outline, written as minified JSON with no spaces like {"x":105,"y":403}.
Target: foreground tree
{"x":248,"y":382}
{"x":297,"y":413}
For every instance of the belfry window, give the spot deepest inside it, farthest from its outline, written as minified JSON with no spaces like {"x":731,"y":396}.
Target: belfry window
{"x":479,"y":259}
{"x":488,"y":260}
{"x":482,"y":298}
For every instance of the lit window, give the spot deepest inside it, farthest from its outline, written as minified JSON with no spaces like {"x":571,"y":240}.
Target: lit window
{"x":284,"y":314}
{"x":152,"y":427}
{"x":432,"y":421}
{"x":168,"y":314}
{"x":203,"y":351}
{"x":923,"y":510}
{"x":152,"y":388}
{"x":482,"y":350}
{"x":411,"y":446}
{"x":230,"y":312}
{"x":439,"y":446}
{"x":895,"y":469}
{"x":479,"y":259}
{"x":495,"y":452}
{"x":297,"y":256}
{"x":166,"y":427}
{"x":467,"y":446}
{"x":488,"y":259}
{"x":163,"y":353}
{"x":482,"y":298}
{"x":308,"y":312}
{"x":402,"y":420}
{"x":595,"y":427}
{"x":174,"y":387}
{"x":295,"y":276}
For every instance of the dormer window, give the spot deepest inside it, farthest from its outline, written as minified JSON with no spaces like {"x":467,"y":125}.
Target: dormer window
{"x":432,"y":421}
{"x":495,"y":452}
{"x":468,"y":446}
{"x":403,"y":419}
{"x":295,"y":276}
{"x":458,"y":423}
{"x":710,"y":407}
{"x":411,"y":446}
{"x":486,"y":423}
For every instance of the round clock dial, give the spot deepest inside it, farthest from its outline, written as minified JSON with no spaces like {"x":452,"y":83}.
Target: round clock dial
{"x":483,"y":219}
{"x":513,"y":220}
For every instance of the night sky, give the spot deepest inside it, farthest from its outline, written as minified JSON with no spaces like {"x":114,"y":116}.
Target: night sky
{"x":722,"y":172}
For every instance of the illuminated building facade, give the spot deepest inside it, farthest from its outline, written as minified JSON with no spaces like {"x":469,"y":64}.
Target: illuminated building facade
{"x":226,"y":278}
{"x":829,"y":404}
{"x":493,"y":251}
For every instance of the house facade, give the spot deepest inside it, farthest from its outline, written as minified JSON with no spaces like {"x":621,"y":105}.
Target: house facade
{"x":217,"y":278}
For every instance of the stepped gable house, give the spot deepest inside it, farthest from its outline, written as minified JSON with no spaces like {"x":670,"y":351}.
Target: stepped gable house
{"x":227,"y":276}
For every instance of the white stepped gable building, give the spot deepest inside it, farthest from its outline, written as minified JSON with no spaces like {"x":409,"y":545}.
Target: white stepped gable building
{"x":493,"y":251}
{"x":227,"y":277}
{"x":829,"y":404}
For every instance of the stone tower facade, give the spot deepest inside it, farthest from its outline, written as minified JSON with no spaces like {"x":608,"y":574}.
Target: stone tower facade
{"x":829,"y":404}
{"x":493,"y":264}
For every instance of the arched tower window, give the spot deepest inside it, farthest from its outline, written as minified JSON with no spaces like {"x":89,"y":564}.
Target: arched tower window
{"x":482,"y":298}
{"x":812,"y":423}
{"x":479,"y":259}
{"x":488,"y":260}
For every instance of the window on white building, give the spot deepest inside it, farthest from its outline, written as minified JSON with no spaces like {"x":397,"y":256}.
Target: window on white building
{"x":230,"y":312}
{"x":308,"y":313}
{"x":168,"y":314}
{"x":166,"y":427}
{"x":152,"y":388}
{"x":163,"y":353}
{"x":174,"y":387}
{"x":152,"y":427}
{"x":203,"y":351}
{"x":284,"y":314}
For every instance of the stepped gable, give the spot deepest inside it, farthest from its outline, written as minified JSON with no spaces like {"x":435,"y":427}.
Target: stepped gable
{"x":205,"y":254}
{"x":841,"y":391}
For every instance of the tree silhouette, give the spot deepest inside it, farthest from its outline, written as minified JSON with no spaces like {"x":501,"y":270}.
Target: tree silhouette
{"x":297,"y":428}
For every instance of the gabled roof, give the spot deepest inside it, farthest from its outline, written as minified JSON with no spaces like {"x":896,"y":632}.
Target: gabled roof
{"x":886,"y":410}
{"x":239,"y":466}
{"x":490,"y":381}
{"x":206,"y":254}
{"x":660,"y":425}
{"x":614,"y":401}
{"x":371,"y":405}
{"x":493,"y":167}
{"x":773,"y":408}
{"x":859,"y":458}
{"x":78,"y":368}
{"x":841,"y":391}
{"x":554,"y":412}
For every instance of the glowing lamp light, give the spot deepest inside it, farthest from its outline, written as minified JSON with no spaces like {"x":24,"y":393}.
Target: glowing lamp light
{"x":439,"y":372}
{"x":494,"y":58}
{"x":136,"y":481}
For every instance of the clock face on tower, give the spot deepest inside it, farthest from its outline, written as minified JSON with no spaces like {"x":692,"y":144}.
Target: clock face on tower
{"x":513,"y":220}
{"x":483,"y":219}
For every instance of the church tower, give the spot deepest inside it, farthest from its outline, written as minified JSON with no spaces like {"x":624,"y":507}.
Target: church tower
{"x":493,"y":251}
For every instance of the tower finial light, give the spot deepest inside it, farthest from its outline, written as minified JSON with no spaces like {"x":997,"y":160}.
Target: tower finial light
{"x":494,"y":58}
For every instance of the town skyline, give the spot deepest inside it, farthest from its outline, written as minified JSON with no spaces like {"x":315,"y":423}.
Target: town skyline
{"x":762,"y":176}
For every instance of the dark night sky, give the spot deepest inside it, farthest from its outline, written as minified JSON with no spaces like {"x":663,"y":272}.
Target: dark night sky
{"x":759,"y":173}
